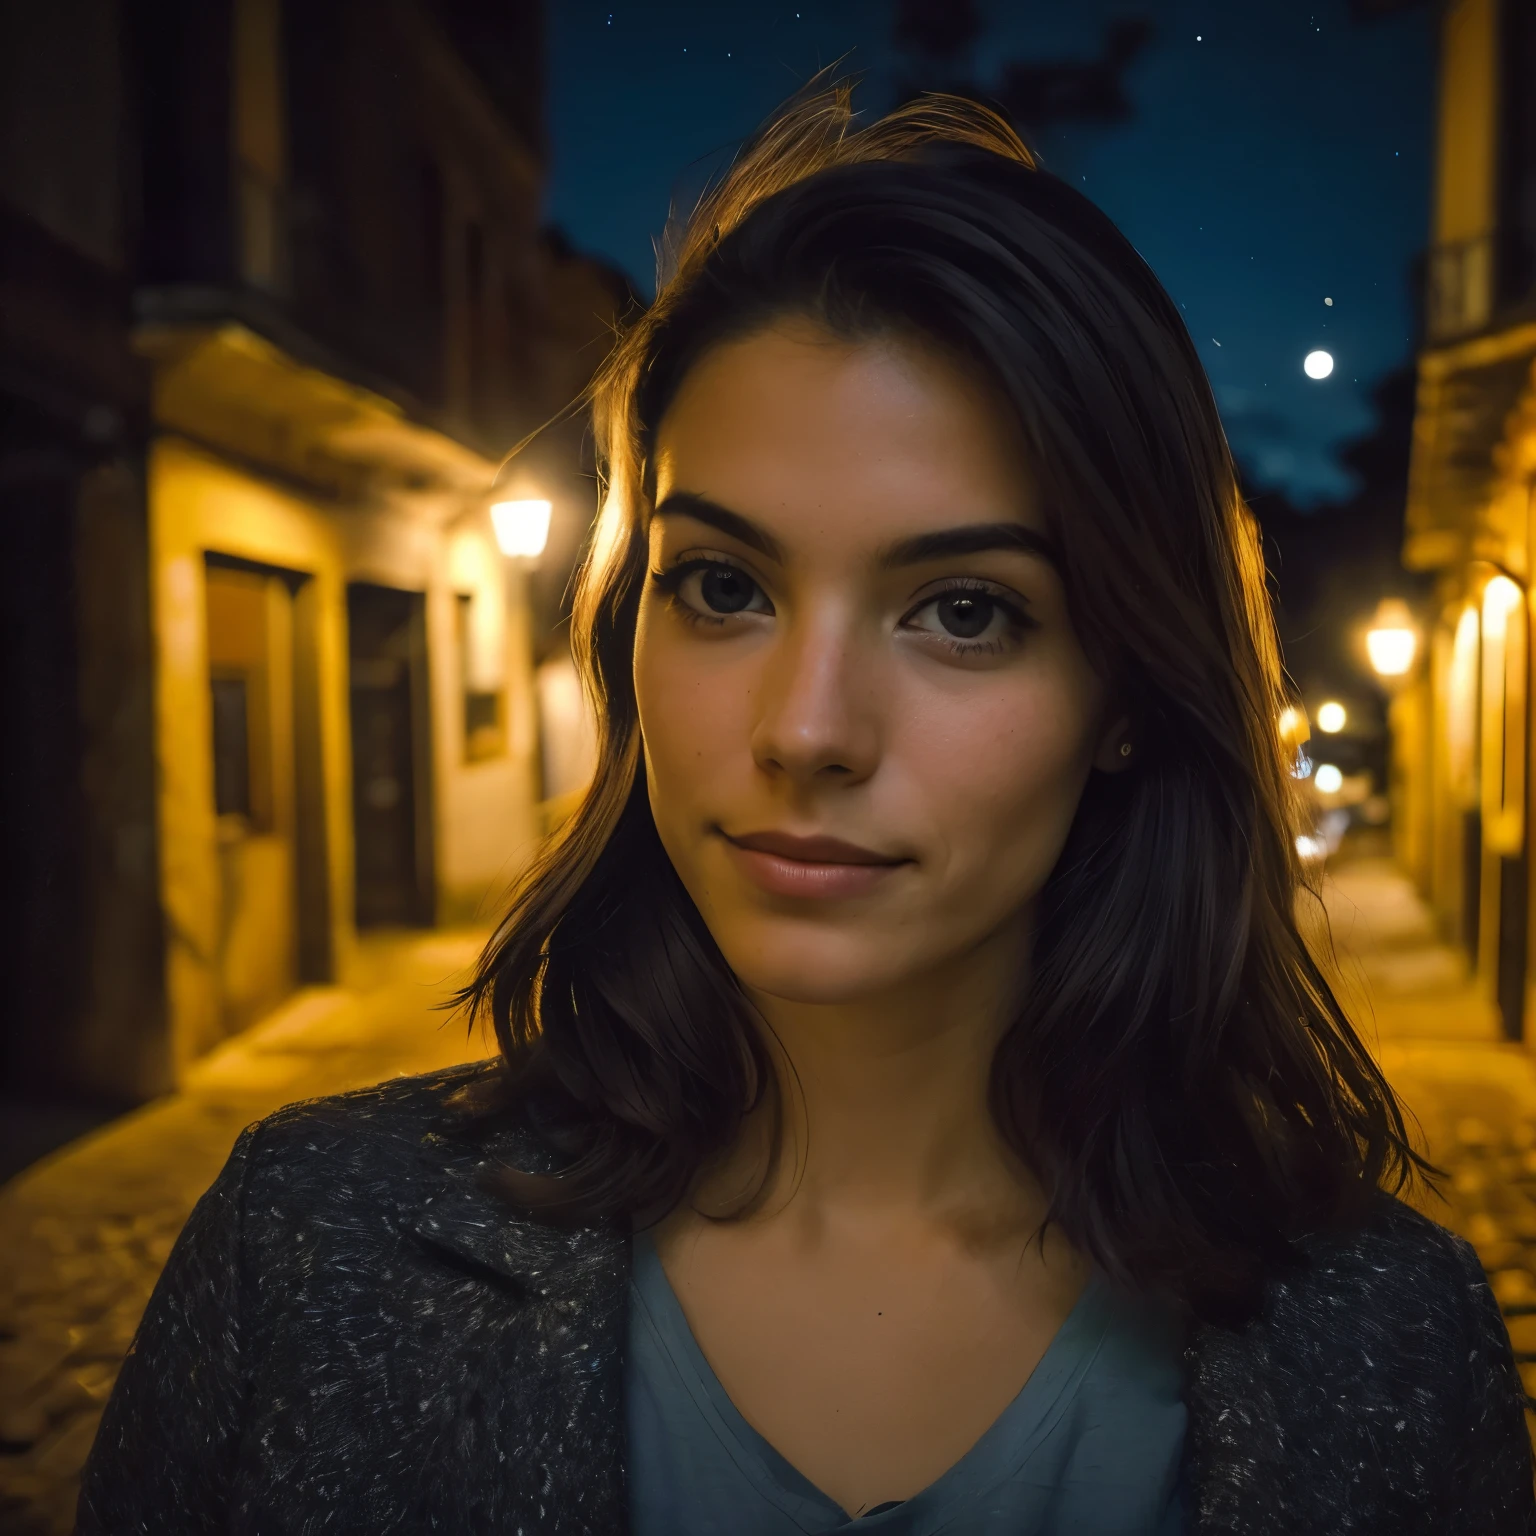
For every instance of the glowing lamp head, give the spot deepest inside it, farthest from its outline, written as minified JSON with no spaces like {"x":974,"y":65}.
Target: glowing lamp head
{"x":1294,"y":732}
{"x":522,"y":527}
{"x":1331,"y":717}
{"x":1501,"y":597}
{"x":1317,"y":365}
{"x":1293,"y":726}
{"x":1328,"y":778}
{"x":1392,"y":640}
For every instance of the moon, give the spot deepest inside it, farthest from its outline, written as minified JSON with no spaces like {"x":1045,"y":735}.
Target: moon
{"x":1317,"y":365}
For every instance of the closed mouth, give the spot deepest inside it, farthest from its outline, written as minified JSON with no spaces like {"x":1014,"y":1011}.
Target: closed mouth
{"x":810,"y":850}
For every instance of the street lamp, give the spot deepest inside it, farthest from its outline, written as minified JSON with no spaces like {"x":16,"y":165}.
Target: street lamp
{"x":522,"y":527}
{"x":1331,"y":717}
{"x":1294,"y":729}
{"x":1392,"y":640}
{"x":1295,"y":732}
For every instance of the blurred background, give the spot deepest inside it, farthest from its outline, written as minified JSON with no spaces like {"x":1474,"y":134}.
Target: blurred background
{"x":284,"y":671}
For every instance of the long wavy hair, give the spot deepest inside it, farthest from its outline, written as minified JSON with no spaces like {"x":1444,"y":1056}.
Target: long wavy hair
{"x":1180,"y":1076}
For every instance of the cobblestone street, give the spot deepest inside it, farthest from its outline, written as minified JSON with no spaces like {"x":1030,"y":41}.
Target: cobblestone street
{"x":84,"y":1233}
{"x":1472,"y":1093}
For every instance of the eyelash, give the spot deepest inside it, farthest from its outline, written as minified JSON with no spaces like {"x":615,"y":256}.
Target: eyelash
{"x":670,"y":581}
{"x":1021,"y":621}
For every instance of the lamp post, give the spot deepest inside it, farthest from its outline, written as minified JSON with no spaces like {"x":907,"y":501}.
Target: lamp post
{"x":522,"y":527}
{"x":1392,"y":641}
{"x":1332,"y":717}
{"x":1392,"y":644}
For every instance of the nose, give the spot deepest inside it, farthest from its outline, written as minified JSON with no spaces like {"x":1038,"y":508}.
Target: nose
{"x":819,"y":717}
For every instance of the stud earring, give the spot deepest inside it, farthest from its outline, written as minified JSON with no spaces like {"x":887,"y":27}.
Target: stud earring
{"x":1125,"y":749}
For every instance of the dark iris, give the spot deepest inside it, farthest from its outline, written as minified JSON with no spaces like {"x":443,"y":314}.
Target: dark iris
{"x":725,"y":590}
{"x":966,"y":617}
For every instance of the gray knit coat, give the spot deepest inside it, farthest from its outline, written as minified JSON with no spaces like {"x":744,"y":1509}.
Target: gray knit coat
{"x":349,"y":1337}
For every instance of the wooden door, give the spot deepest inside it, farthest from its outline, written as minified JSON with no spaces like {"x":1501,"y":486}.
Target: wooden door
{"x":250,"y":674}
{"x":391,"y":803}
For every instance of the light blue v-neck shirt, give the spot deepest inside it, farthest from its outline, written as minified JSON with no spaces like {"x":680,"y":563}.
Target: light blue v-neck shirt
{"x":1092,"y":1442}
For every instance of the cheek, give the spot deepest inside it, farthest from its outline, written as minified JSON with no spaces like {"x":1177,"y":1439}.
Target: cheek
{"x":1002,"y":770}
{"x":691,"y":714}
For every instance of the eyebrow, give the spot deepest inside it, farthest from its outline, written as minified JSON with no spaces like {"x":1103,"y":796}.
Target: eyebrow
{"x":970,"y":539}
{"x":702,"y":510}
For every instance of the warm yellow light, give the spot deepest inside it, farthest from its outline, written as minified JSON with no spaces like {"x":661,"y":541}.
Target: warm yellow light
{"x":1503,"y":694}
{"x":1293,"y":726}
{"x":1331,"y":717}
{"x":1501,"y":597}
{"x":1328,"y":778}
{"x":522,"y":527}
{"x":1392,"y":639}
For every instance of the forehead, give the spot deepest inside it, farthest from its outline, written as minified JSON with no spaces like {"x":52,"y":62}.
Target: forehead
{"x":844,"y":442}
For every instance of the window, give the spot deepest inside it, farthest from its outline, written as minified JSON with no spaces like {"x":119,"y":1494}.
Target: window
{"x":485,"y":733}
{"x":231,"y":746}
{"x":247,"y":621}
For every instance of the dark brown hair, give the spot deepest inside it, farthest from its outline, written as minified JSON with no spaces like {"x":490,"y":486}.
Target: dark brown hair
{"x":1180,"y":1076}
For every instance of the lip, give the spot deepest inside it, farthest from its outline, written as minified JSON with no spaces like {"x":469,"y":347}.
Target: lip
{"x":784,"y":865}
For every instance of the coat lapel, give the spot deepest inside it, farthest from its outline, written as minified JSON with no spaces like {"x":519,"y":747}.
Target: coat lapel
{"x":570,"y":1291}
{"x":1236,"y":1453}
{"x":547,"y":1328}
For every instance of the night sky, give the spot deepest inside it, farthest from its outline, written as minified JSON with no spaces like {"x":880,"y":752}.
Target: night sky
{"x":1277,"y":156}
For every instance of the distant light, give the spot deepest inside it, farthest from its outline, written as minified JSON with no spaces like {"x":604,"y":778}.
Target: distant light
{"x":1501,"y":597}
{"x":1311,"y":847}
{"x":1294,"y":732}
{"x":1328,"y":778}
{"x":1331,"y":717}
{"x":522,"y":527}
{"x":1391,"y":650}
{"x":1392,"y":640}
{"x":1317,"y":365}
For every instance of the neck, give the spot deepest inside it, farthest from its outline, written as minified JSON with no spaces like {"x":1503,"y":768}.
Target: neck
{"x":884,"y":1104}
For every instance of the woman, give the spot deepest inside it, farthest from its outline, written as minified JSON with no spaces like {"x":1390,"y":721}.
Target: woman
{"x":915,"y":1101}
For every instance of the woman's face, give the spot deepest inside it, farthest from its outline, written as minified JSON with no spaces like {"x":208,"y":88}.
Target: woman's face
{"x":867,"y":720}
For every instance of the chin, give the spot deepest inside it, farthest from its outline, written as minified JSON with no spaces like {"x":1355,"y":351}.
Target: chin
{"x":807,"y":963}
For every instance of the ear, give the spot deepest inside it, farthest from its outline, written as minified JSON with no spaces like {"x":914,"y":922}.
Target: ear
{"x":1111,"y":755}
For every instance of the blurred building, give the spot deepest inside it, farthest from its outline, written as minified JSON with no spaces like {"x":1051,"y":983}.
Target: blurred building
{"x":274,"y":301}
{"x":1462,"y":725}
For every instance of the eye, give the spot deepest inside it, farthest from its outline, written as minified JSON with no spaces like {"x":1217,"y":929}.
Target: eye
{"x":971,"y":618}
{"x":711,"y":590}
{"x":720,"y":588}
{"x":966,"y":615}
